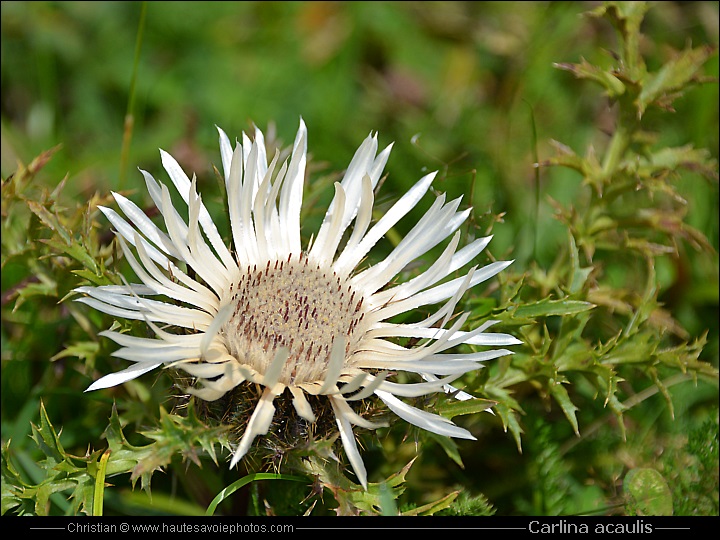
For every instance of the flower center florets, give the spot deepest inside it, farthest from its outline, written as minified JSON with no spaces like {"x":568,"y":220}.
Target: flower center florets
{"x":295,"y":304}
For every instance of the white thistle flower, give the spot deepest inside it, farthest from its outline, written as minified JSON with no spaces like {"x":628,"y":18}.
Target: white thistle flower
{"x":287,"y":318}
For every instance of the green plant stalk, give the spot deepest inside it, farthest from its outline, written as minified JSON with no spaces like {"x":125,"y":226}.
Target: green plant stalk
{"x":627,"y":124}
{"x":99,"y":492}
{"x":536,"y":161}
{"x":616,"y":151}
{"x":129,"y":114}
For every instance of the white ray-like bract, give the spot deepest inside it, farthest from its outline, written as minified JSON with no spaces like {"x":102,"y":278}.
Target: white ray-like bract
{"x":307,"y":320}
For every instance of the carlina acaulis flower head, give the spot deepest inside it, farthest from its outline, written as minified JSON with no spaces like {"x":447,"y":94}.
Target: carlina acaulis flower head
{"x":292,"y":318}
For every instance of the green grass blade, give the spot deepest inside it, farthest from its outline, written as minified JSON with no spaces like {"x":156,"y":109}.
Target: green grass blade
{"x":129,"y":114}
{"x":245,"y":480}
{"x":536,"y":166}
{"x":100,"y":485}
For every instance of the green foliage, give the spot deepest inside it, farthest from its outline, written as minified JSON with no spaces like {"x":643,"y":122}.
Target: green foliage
{"x":682,"y":480}
{"x":469,"y":505}
{"x":551,"y":492}
{"x":692,"y":471}
{"x":317,"y":460}
{"x":176,"y":435}
{"x":64,"y":472}
{"x":608,"y":407}
{"x":628,"y":215}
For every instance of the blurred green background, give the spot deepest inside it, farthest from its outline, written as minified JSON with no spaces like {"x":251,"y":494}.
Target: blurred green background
{"x":458,"y":86}
{"x":464,"y":76}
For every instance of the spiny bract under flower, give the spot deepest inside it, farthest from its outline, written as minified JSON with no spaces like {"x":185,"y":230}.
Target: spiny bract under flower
{"x":284,"y":317}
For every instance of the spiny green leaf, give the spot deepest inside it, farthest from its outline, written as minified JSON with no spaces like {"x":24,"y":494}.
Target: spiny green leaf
{"x":50,"y":220}
{"x":618,"y":409}
{"x":510,"y":421}
{"x":558,"y":391}
{"x":664,"y":86}
{"x":94,"y":278}
{"x":176,"y":435}
{"x":686,"y":357}
{"x":566,"y":157}
{"x":388,"y":506}
{"x":579,"y":274}
{"x":569,"y":342}
{"x":673,"y":158}
{"x":318,"y":461}
{"x":638,"y":350}
{"x":434,"y":507}
{"x":547,"y":307}
{"x":24,"y":174}
{"x":75,"y":250}
{"x":31,"y":290}
{"x":45,"y":490}
{"x":454,"y":407}
{"x":627,"y":18}
{"x":84,"y":350}
{"x":584,"y":70}
{"x":12,"y":482}
{"x":449,"y":446}
{"x":394,"y":485}
{"x":46,"y":437}
{"x":61,"y":474}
